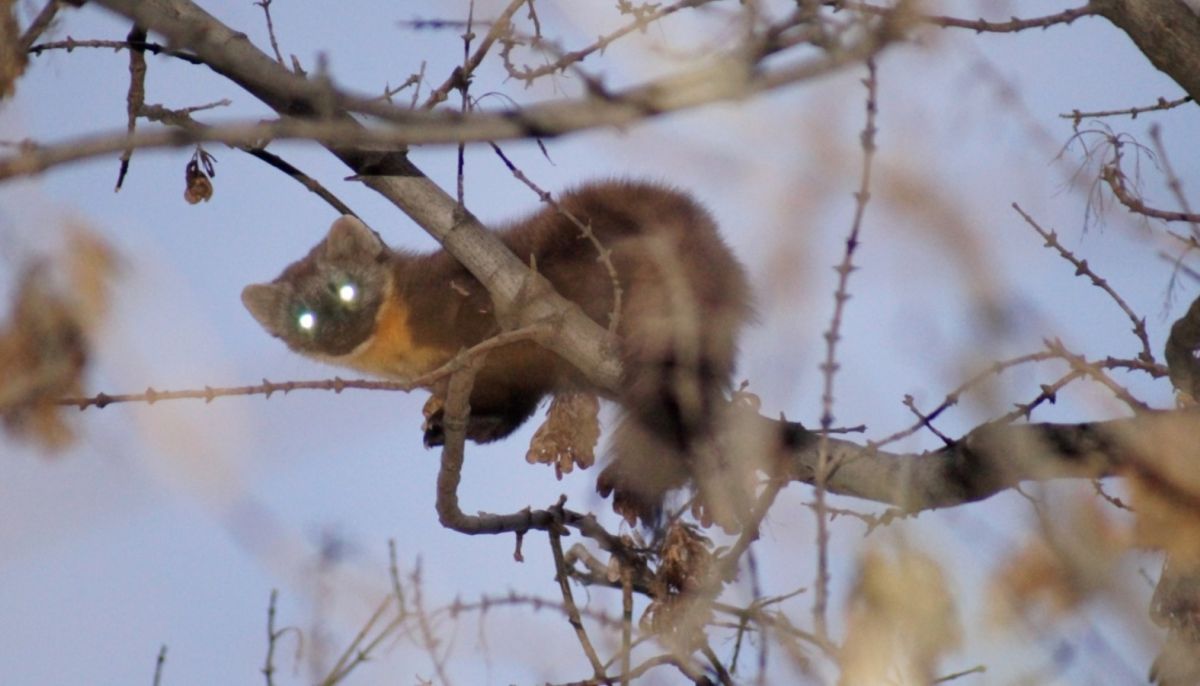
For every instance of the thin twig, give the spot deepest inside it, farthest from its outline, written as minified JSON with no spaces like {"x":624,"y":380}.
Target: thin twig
{"x":603,"y":254}
{"x":871,"y":521}
{"x":266,"y":8}
{"x":573,"y":618}
{"x":626,"y":623}
{"x":71,"y":44}
{"x":462,"y":75}
{"x":641,"y":21}
{"x":829,"y":366}
{"x":336,"y":384}
{"x":925,"y":420}
{"x":978,"y":25}
{"x":1082,"y":269}
{"x":181,"y":118}
{"x":394,"y":572}
{"x":268,"y":668}
{"x":1096,"y":372}
{"x":162,"y":654}
{"x":1113,"y":500}
{"x":1111,"y":175}
{"x":428,"y":640}
{"x":1173,"y":181}
{"x":39,"y":24}
{"x":136,"y":97}
{"x":513,"y":599}
{"x":1131,"y":112}
{"x":979,"y":669}
{"x":353,"y":655}
{"x":724,"y":79}
{"x":463,"y":84}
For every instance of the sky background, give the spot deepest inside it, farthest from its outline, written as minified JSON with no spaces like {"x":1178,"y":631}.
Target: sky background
{"x":171,"y":524}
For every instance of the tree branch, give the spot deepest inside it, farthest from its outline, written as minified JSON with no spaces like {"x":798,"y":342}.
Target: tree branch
{"x":1165,"y":31}
{"x":1111,"y":175}
{"x":993,"y":458}
{"x":977,"y":25}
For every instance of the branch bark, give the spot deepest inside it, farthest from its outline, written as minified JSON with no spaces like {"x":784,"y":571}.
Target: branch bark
{"x":994,"y":458}
{"x":1166,"y":31}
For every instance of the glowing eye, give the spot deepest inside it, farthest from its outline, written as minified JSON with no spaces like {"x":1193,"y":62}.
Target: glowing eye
{"x":348,"y":293}
{"x":307,"y":321}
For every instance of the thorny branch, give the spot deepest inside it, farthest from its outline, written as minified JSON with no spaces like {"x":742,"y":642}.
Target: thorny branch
{"x":359,"y":649}
{"x":1173,"y":182}
{"x":825,"y":462}
{"x":977,"y":25}
{"x":161,"y":661}
{"x":273,"y":636}
{"x":573,"y":618}
{"x":137,"y":92}
{"x":462,"y":74}
{"x":70,"y":44}
{"x":182,"y":119}
{"x":725,"y":79}
{"x":567,"y":59}
{"x":1115,"y":179}
{"x":428,"y":638}
{"x":1082,"y":269}
{"x":603,"y":254}
{"x":336,"y":384}
{"x":266,"y":8}
{"x":1077,"y":117}
{"x":39,"y":24}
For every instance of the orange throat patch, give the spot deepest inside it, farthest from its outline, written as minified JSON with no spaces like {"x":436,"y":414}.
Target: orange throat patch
{"x":390,"y":351}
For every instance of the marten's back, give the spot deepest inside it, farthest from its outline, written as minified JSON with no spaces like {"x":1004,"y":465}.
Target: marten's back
{"x":684,"y":301}
{"x":681,"y":286}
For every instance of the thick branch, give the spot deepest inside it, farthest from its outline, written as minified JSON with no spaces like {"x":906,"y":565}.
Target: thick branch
{"x":993,"y":458}
{"x":730,"y":78}
{"x":1166,"y":31}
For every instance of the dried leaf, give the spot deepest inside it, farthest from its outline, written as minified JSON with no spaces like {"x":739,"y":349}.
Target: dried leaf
{"x":12,"y":56}
{"x":44,"y":344}
{"x":1165,"y":486}
{"x":199,"y":186}
{"x":685,"y":559}
{"x":901,"y":619}
{"x":1166,"y":520}
{"x":677,"y":615}
{"x":1059,"y":571}
{"x":678,"y":622}
{"x":569,"y":435}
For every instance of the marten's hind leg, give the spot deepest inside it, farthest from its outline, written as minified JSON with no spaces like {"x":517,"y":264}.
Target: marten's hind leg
{"x":490,"y":419}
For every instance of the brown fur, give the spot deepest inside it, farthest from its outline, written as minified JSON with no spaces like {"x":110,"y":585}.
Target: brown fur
{"x":685,"y":300}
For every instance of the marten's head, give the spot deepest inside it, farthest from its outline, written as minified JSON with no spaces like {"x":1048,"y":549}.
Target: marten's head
{"x":325,"y":304}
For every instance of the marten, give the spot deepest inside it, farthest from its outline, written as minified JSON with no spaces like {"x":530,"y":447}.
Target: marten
{"x":355,"y":302}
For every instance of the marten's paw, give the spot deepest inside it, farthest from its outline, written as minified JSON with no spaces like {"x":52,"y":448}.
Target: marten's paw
{"x":481,"y":428}
{"x":630,"y":503}
{"x":643,"y":469}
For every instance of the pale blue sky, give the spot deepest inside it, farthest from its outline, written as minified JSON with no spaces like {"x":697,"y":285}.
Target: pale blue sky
{"x":171,"y":523}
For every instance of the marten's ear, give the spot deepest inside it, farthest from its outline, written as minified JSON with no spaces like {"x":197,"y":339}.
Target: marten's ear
{"x":267,"y":303}
{"x":350,"y":239}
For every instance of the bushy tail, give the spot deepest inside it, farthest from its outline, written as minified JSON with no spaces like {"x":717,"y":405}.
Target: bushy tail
{"x":678,"y":347}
